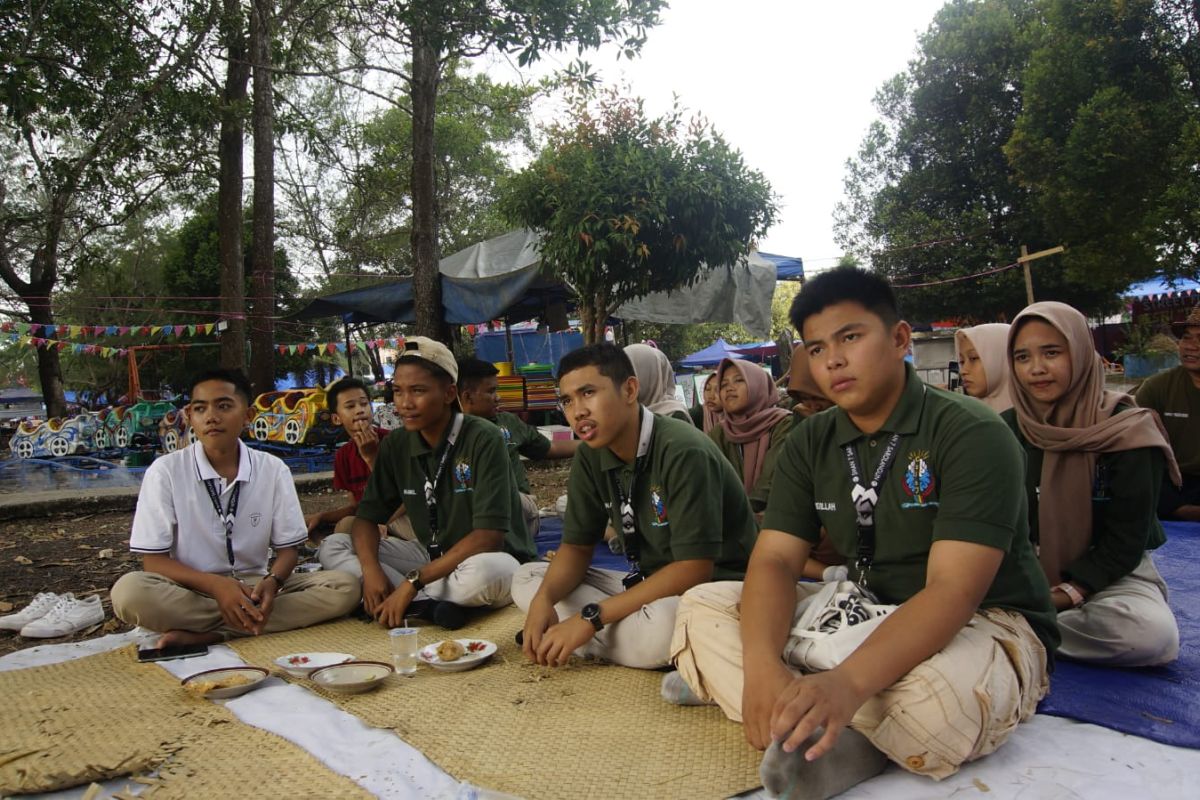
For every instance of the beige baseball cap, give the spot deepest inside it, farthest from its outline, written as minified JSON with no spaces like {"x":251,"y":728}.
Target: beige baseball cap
{"x":432,"y":351}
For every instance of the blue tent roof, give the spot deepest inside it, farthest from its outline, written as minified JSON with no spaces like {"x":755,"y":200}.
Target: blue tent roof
{"x":1159,"y":286}
{"x":715,"y":353}
{"x":787,"y":268}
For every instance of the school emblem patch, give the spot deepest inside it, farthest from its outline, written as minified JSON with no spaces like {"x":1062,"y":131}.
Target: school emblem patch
{"x":507,"y":434}
{"x":462,"y":476}
{"x":254,"y":519}
{"x":919,"y":481}
{"x":660,"y":507}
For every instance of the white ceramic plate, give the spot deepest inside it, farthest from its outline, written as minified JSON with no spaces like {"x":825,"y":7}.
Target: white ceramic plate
{"x":301,"y":665}
{"x":256,"y":676}
{"x":478,"y":651}
{"x":352,"y":677}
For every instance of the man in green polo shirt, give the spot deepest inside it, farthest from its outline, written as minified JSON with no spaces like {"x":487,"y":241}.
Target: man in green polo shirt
{"x":451,"y":472}
{"x":674,"y":500}
{"x":1175,"y":395}
{"x":922,"y":491}
{"x":477,"y":392}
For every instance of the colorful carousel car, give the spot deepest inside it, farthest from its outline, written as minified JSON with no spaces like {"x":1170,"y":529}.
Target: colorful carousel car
{"x":174,"y":432}
{"x":139,"y":424}
{"x":56,"y":437}
{"x":295,"y":417}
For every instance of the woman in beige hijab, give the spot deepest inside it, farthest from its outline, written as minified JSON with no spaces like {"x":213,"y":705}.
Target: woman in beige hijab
{"x":1095,"y":467}
{"x":983,"y":364}
{"x":656,"y":381}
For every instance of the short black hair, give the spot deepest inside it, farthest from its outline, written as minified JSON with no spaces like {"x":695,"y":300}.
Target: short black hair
{"x":433,"y":369}
{"x":344,"y":385}
{"x":241,"y":383}
{"x":610,"y":360}
{"x":845,"y":284}
{"x":472,"y":371}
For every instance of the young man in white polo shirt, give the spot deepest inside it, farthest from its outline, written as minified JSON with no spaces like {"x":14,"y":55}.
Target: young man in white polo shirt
{"x":206,"y":518}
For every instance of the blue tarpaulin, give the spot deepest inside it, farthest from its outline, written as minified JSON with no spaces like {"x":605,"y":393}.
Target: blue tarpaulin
{"x":711,"y":355}
{"x":787,"y":268}
{"x":529,"y":347}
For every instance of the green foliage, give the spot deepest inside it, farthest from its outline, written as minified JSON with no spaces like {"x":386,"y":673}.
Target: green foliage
{"x":479,"y":123}
{"x":1038,"y":123}
{"x":628,"y":205}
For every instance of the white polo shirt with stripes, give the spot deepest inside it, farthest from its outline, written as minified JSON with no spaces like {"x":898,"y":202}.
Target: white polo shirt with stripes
{"x":175,"y":514}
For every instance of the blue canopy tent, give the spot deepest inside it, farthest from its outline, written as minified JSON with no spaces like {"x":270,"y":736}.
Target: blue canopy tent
{"x":712,"y":355}
{"x":787,"y":268}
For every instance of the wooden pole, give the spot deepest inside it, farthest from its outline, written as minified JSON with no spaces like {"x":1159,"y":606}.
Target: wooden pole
{"x":1024,"y":261}
{"x":1028,"y":276}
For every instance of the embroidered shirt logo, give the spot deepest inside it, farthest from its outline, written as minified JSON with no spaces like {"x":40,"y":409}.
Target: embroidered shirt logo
{"x":254,"y":519}
{"x":919,"y":481}
{"x":825,"y":506}
{"x":660,"y":507}
{"x":507,"y":434}
{"x":462,"y":477}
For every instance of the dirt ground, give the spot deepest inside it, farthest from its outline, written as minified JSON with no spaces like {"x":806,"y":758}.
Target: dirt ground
{"x":86,"y":553}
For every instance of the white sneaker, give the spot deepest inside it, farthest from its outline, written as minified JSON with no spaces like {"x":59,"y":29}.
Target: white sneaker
{"x":38,"y":607}
{"x":66,"y":617}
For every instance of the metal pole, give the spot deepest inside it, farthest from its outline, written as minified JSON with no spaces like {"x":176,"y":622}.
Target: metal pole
{"x":1028,"y":276}
{"x":349,"y":354}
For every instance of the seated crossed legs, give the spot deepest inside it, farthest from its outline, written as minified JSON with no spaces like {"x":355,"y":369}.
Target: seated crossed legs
{"x":482,"y":580}
{"x":640,"y":640}
{"x":158,"y":603}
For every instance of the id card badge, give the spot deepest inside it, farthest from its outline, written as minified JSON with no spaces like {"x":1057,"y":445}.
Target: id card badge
{"x":435,"y":551}
{"x":633,"y":579}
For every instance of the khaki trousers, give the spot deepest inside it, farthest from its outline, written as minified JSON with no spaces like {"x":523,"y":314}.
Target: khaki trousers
{"x":957,"y":706}
{"x":481,"y":580}
{"x":160,"y":604}
{"x":1129,"y":624}
{"x":641,"y":640}
{"x":398,"y":526}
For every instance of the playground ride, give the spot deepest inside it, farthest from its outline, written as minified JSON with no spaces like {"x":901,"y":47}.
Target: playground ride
{"x":294,"y":417}
{"x":56,"y":437}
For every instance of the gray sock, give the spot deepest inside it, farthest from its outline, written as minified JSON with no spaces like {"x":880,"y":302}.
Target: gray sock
{"x":851,"y":761}
{"x":675,"y":690}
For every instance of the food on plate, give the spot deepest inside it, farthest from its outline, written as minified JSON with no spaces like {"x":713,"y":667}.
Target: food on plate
{"x":450,"y":650}
{"x":475,"y":647}
{"x":202,"y":688}
{"x":297,"y":660}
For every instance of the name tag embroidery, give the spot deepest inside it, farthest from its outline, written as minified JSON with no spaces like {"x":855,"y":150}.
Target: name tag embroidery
{"x":412,"y":492}
{"x":1178,"y":414}
{"x":825,"y":506}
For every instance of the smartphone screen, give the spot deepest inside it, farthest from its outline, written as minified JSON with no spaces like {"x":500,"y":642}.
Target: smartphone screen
{"x":169,"y":653}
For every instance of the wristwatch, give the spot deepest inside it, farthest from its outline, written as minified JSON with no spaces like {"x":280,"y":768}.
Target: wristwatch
{"x":414,"y":578}
{"x":591,"y":613}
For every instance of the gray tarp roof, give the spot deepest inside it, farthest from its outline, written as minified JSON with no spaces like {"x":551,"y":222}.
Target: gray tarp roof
{"x":503,"y":277}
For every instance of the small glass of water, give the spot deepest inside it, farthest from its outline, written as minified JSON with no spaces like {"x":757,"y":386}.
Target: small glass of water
{"x":404,"y":650}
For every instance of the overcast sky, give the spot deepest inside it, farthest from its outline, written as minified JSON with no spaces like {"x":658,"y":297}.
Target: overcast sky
{"x":788,"y":82}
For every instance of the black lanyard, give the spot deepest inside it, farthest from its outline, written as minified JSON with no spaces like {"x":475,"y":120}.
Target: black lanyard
{"x":228,"y":515}
{"x":435,"y":548}
{"x":864,"y":499}
{"x":630,"y":537}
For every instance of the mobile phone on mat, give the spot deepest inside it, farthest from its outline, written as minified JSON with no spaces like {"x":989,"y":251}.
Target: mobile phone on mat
{"x":173,"y":652}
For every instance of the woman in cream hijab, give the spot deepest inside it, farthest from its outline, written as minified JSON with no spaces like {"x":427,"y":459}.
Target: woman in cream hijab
{"x":656,"y":381}
{"x":1095,"y":467}
{"x":983,"y":364}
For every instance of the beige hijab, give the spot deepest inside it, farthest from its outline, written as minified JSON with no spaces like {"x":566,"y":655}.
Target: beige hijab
{"x":800,"y":377}
{"x":1072,"y":434}
{"x":656,"y":379}
{"x":991,"y":343}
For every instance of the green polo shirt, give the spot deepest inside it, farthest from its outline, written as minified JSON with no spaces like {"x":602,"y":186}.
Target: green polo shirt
{"x":1124,"y":510}
{"x":958,"y":475}
{"x":733,"y":452}
{"x":688,"y":500}
{"x":1177,"y":400}
{"x":521,"y":439}
{"x":476,"y":489}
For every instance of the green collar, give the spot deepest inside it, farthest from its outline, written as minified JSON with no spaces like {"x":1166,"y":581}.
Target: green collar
{"x":904,"y":419}
{"x":420,"y":447}
{"x":609,"y":460}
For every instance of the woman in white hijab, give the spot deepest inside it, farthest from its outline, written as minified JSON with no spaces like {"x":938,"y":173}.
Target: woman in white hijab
{"x":983,"y":364}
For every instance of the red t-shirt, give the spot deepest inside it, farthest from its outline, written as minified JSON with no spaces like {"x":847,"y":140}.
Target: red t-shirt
{"x":350,"y":472}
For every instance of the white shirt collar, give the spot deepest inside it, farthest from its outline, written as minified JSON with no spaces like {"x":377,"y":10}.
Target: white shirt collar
{"x":205,"y":471}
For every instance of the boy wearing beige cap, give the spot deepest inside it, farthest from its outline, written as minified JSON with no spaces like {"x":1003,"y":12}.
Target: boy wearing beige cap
{"x":451,"y":472}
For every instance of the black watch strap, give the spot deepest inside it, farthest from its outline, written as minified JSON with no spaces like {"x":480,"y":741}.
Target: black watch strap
{"x":591,"y":613}
{"x":278,"y":580}
{"x":414,"y":578}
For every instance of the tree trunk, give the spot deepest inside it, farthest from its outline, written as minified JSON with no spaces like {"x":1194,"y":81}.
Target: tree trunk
{"x":48,"y":363}
{"x":262,"y":248}
{"x":427,"y":288}
{"x":229,"y":189}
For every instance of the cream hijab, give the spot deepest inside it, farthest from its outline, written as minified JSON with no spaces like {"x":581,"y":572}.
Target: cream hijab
{"x":991,"y":343}
{"x":656,"y":379}
{"x":1073,"y":433}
